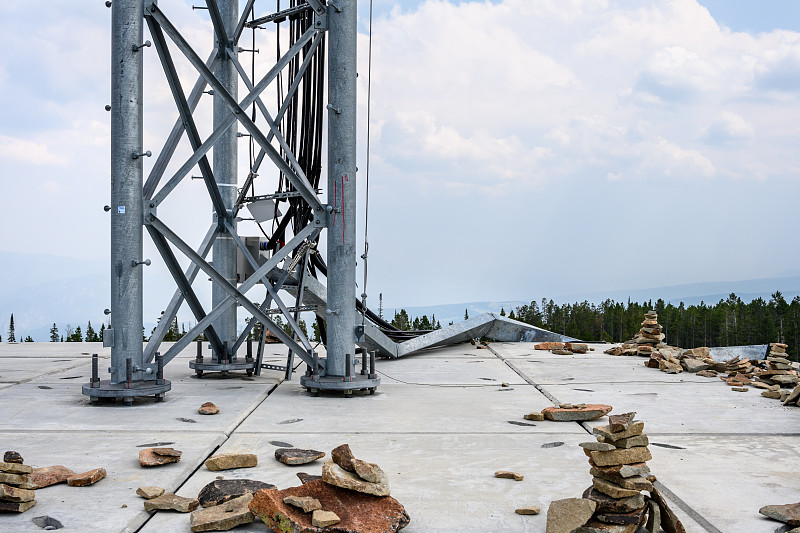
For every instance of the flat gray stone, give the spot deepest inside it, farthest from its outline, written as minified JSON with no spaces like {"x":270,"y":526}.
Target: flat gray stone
{"x":297,"y":456}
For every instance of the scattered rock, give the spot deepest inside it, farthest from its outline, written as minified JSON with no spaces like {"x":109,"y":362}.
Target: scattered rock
{"x":635,"y":428}
{"x":208,"y":408}
{"x":509,"y":475}
{"x":171,"y":502}
{"x":653,"y":517}
{"x":12,"y":457}
{"x":576,"y":414}
{"x":13,"y":494}
{"x":16,"y":507}
{"x":535,"y":416}
{"x":357,"y":511}
{"x":335,"y":475}
{"x":548,"y":346}
{"x":158,"y":456}
{"x":740,"y":389}
{"x":322,"y":518}
{"x":528,"y":510}
{"x":229,"y":461}
{"x":694,"y":365}
{"x":788,"y":514}
{"x":15,"y":468}
{"x":223,"y":490}
{"x":148,"y":493}
{"x":343,"y":457}
{"x":296,"y":456}
{"x":576,"y":347}
{"x":707,"y":373}
{"x":87,"y":478}
{"x":669,"y":521}
{"x":306,"y":503}
{"x":307,"y":478}
{"x":792,"y":398}
{"x":367,"y":471}
{"x":223,"y":517}
{"x":561,"y":351}
{"x":565,"y":516}
{"x":618,"y":423}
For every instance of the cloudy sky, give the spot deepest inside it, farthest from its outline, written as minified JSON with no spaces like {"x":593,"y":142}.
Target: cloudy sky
{"x":520,"y":148}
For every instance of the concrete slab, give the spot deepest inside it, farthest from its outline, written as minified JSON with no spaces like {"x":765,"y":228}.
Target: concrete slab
{"x":410,"y":409}
{"x":21,"y":369}
{"x":459,"y":370}
{"x":681,"y":408}
{"x":62,"y":407}
{"x":111,"y":504}
{"x":727,"y":479}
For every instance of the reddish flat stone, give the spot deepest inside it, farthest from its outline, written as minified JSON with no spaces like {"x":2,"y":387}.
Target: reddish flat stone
{"x":87,"y":478}
{"x":158,"y":456}
{"x":549,"y":346}
{"x":343,"y":457}
{"x":208,"y":408}
{"x":359,"y":513}
{"x":49,"y":475}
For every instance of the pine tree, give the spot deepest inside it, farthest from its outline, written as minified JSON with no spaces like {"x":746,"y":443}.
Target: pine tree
{"x":502,"y":311}
{"x":511,"y":315}
{"x":28,"y":339}
{"x":466,"y":314}
{"x":11,"y":334}
{"x":91,"y":335}
{"x":54,"y":333}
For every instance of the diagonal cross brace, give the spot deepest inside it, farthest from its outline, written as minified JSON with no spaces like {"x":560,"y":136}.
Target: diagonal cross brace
{"x":234,"y":295}
{"x":177,"y":299}
{"x":200,"y":152}
{"x":171,"y":144}
{"x":272,"y":292}
{"x":186,"y":116}
{"x":300,"y":183}
{"x":184,"y":285}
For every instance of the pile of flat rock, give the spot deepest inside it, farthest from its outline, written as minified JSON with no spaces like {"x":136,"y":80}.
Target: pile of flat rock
{"x":564,"y":348}
{"x":351,"y":495}
{"x":615,"y":503}
{"x":649,"y":342}
{"x":779,"y":379}
{"x":16,"y":494}
{"x":18,"y":481}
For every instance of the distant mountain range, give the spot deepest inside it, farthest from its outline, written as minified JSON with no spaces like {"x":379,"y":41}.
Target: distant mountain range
{"x":41,"y":289}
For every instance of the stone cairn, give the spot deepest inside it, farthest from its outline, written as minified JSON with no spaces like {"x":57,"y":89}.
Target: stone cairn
{"x":615,"y":503}
{"x":649,"y":342}
{"x":16,"y":494}
{"x":780,"y":379}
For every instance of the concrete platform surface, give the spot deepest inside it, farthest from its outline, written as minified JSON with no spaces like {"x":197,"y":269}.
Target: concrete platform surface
{"x":440,"y":425}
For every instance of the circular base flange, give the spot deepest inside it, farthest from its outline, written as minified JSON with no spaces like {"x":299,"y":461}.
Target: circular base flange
{"x":222,"y":367}
{"x":136,"y":389}
{"x":338,"y":383}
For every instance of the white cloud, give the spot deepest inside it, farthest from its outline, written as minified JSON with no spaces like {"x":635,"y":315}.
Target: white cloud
{"x":29,"y":152}
{"x":727,"y":127}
